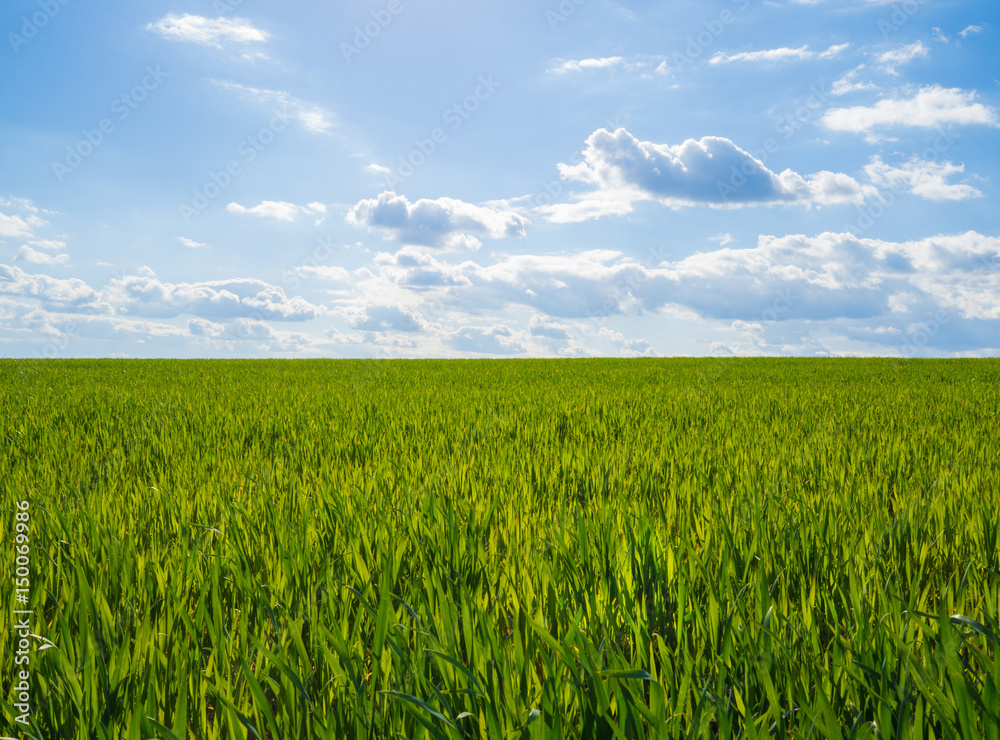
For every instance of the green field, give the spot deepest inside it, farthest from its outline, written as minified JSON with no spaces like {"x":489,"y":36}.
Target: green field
{"x":503,"y":549}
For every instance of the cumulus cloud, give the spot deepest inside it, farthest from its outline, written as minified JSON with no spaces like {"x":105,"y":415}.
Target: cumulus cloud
{"x":445,"y":223}
{"x":711,"y":171}
{"x":827,"y":277}
{"x":834,"y":276}
{"x":626,"y":346}
{"x":315,"y":118}
{"x":279,"y":210}
{"x":782,"y":54}
{"x":413,"y":268}
{"x":146,"y":295}
{"x":929,"y":107}
{"x":387,"y":318}
{"x":50,"y":290}
{"x":498,"y":339}
{"x":545,"y":328}
{"x":898,"y":57}
{"x":215,"y":32}
{"x":249,"y":330}
{"x":924,"y":178}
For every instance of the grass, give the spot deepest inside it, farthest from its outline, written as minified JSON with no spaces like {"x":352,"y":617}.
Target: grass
{"x":465,"y":549}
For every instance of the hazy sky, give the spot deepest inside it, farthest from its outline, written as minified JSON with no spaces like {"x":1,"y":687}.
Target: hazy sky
{"x":428,"y":178}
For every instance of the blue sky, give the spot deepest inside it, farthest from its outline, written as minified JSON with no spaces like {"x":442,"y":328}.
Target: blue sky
{"x":418,"y":178}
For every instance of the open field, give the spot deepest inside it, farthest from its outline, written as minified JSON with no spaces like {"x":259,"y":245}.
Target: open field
{"x":587,"y":548}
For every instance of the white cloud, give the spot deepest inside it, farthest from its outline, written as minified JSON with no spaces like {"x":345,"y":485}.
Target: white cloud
{"x":970,"y":31}
{"x":387,"y":318}
{"x":782,"y":54}
{"x":645,"y":66}
{"x":377,"y":169}
{"x":924,"y":178}
{"x":18,"y":226}
{"x":545,"y":328}
{"x":208,"y":31}
{"x":498,"y":339}
{"x":898,"y":57}
{"x":250,"y":330}
{"x":279,"y":210}
{"x":579,"y":65}
{"x":191,"y":243}
{"x":833,"y":276}
{"x":66,"y":292}
{"x":52,"y":245}
{"x":711,"y":171}
{"x":27,"y":254}
{"x":722,"y":239}
{"x":145,"y":295}
{"x":929,"y":107}
{"x":315,"y":118}
{"x":849,"y":83}
{"x":443,"y":223}
{"x":811,"y":286}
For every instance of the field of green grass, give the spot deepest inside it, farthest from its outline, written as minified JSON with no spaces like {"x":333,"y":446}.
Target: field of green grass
{"x":504,"y":549}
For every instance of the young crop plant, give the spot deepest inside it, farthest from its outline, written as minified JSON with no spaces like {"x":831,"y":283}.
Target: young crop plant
{"x":738,"y":548}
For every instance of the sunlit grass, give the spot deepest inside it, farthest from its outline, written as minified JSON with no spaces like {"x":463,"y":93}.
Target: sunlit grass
{"x":599,"y":548}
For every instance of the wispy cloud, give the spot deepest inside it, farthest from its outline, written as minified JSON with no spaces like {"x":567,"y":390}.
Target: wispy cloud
{"x":850,"y":82}
{"x":647,"y":66}
{"x":579,"y":65}
{"x":970,"y":31}
{"x":722,"y":239}
{"x":216,"y":32}
{"x":191,"y":243}
{"x":898,"y":57}
{"x":280,"y":210}
{"x":783,"y":54}
{"x":314,"y":117}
